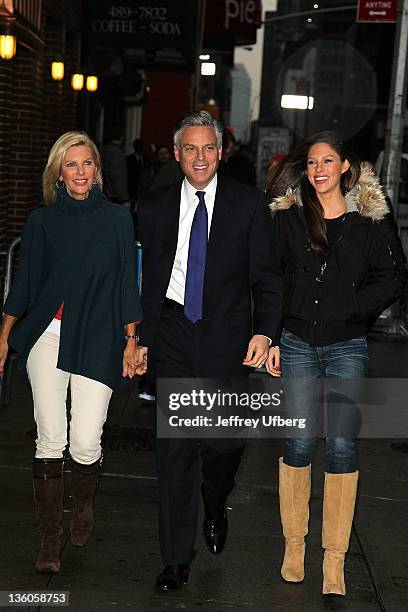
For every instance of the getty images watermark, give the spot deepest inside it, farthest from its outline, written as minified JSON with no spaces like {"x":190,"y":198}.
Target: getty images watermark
{"x":280,"y":408}
{"x":219,"y":400}
{"x":212,"y":408}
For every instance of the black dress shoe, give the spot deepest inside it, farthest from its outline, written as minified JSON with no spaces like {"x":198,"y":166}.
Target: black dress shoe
{"x":173,"y":577}
{"x":215,"y":532}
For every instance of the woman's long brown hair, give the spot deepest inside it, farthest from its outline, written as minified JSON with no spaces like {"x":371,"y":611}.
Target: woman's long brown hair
{"x":292,"y":173}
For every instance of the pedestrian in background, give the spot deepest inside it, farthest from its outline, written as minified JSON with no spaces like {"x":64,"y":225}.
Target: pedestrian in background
{"x":161,"y":173}
{"x":335,"y":246}
{"x":76,"y":294}
{"x":136,"y":163}
{"x":273,"y":167}
{"x":115,"y":176}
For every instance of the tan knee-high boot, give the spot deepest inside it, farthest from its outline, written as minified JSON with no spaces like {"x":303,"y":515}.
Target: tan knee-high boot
{"x":338,"y":510}
{"x":48,"y":496}
{"x":294,"y":495}
{"x":84,"y":481}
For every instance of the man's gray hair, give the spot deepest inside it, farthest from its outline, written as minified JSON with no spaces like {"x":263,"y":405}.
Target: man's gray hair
{"x":198,"y":119}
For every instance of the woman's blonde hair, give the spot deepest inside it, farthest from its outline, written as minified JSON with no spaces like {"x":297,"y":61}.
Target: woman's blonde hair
{"x":56,"y":157}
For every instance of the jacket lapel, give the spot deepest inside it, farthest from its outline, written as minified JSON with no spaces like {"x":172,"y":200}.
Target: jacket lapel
{"x":168,"y":224}
{"x":223,"y":208}
{"x":169,"y":220}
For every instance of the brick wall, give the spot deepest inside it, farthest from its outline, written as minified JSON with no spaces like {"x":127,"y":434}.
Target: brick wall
{"x":5,"y":130}
{"x":34,"y":111}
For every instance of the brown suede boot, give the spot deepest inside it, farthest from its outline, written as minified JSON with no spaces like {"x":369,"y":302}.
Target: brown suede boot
{"x":294,"y":495}
{"x":48,"y":496}
{"x":84,"y":480}
{"x":338,"y":510}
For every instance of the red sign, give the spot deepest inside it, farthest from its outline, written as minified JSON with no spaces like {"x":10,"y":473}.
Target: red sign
{"x":380,"y":11}
{"x":231,"y":22}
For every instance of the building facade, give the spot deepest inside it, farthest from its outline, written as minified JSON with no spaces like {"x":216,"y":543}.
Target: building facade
{"x":327,"y":56}
{"x":34,"y":109}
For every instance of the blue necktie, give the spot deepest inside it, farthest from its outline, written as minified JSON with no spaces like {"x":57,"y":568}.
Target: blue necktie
{"x":197,"y":252}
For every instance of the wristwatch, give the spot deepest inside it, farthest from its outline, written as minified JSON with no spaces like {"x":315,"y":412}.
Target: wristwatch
{"x":131,"y":337}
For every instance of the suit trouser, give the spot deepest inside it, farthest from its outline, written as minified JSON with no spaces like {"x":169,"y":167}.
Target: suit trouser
{"x":176,"y":355}
{"x":89,"y":406}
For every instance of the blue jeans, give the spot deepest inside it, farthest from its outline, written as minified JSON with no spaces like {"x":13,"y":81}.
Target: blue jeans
{"x":306,"y":362}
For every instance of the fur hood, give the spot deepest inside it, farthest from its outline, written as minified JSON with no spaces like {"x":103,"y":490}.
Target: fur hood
{"x":366,"y":197}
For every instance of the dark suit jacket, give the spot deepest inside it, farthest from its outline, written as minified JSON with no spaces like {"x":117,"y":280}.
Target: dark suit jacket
{"x":239,"y":265}
{"x":134,"y":172}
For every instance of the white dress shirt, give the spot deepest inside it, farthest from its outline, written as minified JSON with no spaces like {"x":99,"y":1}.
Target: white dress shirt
{"x":188,"y":205}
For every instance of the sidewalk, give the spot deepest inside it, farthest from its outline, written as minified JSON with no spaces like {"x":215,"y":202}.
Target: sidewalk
{"x":117,"y":570}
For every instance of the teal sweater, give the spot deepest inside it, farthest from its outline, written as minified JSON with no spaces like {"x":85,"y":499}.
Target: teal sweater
{"x":82,"y":253}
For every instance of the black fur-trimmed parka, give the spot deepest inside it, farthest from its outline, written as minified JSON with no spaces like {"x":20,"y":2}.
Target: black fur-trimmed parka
{"x":336,"y":296}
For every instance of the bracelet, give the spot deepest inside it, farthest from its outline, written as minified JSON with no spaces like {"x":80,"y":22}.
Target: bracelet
{"x":132,"y":337}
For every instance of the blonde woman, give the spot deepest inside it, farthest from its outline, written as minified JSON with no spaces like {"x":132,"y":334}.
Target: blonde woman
{"x":77,"y":287}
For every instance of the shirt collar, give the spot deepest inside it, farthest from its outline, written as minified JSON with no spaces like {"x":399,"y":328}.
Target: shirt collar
{"x":209,"y":190}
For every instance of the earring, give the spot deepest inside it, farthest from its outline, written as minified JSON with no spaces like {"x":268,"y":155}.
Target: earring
{"x":59,"y":184}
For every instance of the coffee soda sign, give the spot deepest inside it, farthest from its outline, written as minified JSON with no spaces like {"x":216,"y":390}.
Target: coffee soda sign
{"x":143,"y":24}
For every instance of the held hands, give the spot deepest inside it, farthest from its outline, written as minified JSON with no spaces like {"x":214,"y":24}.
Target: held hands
{"x":257,"y":353}
{"x":272,"y":364}
{"x":134,"y":360}
{"x":141,"y":365}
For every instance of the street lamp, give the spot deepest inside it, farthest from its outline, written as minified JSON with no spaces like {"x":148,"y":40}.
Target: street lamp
{"x":91,"y":83}
{"x":77,"y":81}
{"x":57,"y":70}
{"x":8,"y":42}
{"x":208,"y":68}
{"x":297,"y":102}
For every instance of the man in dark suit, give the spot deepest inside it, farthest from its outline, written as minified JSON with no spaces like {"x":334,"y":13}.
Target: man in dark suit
{"x":136,"y":163}
{"x":206,"y":250}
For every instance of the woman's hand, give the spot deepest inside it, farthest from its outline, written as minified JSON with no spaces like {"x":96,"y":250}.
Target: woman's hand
{"x":4,"y":347}
{"x":130,"y":359}
{"x":272,"y":364}
{"x":5,"y":329}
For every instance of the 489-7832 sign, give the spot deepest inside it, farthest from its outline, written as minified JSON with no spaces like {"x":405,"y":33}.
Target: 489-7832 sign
{"x":130,"y":20}
{"x":143,"y":24}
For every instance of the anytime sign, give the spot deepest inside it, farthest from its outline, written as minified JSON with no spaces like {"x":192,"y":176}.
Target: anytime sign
{"x":383,"y":11}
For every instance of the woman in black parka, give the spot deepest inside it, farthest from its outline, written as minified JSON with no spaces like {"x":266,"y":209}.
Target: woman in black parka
{"x":342,"y":267}
{"x":76,"y":293}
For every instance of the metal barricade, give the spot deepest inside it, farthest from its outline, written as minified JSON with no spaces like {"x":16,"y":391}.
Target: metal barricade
{"x":5,"y":378}
{"x":139,"y":265}
{"x":9,"y":268}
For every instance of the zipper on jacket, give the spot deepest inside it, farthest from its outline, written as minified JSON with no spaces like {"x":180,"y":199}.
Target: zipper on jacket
{"x":319,"y":279}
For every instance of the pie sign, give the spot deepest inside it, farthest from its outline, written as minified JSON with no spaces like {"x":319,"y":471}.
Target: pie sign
{"x":382,"y":11}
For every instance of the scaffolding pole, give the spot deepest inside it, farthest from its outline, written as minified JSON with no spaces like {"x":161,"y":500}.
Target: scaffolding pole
{"x":394,"y":136}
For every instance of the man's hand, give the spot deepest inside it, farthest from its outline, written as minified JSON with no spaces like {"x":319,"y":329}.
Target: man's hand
{"x":272,"y":364}
{"x":257,"y":352}
{"x":141,"y":362}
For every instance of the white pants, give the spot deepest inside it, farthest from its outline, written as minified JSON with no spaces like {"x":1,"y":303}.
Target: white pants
{"x":89,"y":406}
